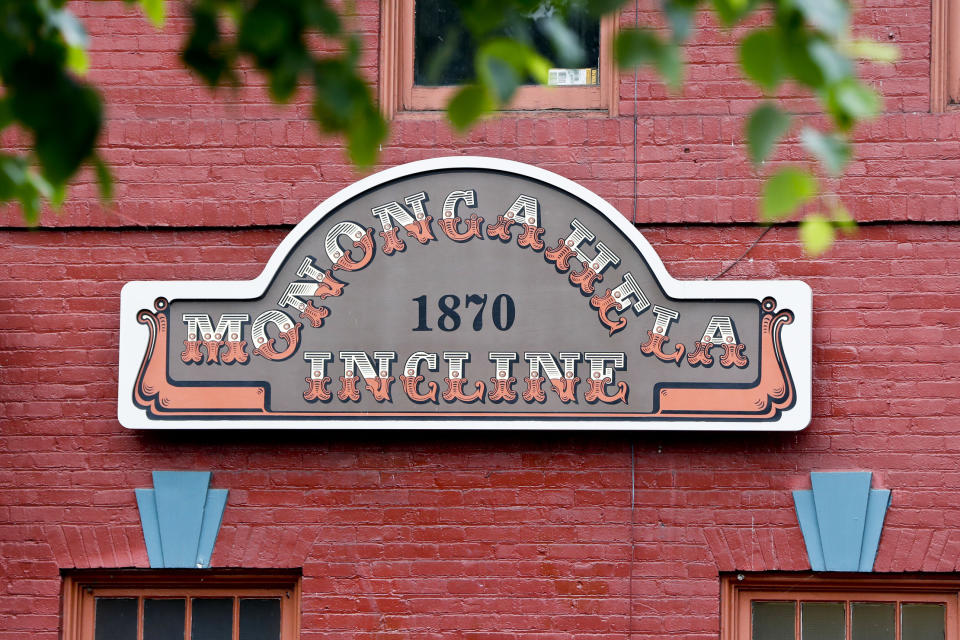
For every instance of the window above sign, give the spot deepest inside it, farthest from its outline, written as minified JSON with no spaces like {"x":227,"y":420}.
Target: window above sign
{"x":425,"y":54}
{"x":945,"y":56}
{"x":810,"y":607}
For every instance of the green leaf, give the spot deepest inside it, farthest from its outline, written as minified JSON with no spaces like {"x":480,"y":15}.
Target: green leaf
{"x":30,"y":202}
{"x":843,"y":220}
{"x":339,"y":94}
{"x":603,"y":7}
{"x":731,"y":11}
{"x":564,"y":41}
{"x":58,"y":195}
{"x":74,"y":36}
{"x":670,"y":65}
{"x":155,"y":11}
{"x":503,"y":64}
{"x":285,"y":75}
{"x":680,"y":17}
{"x":831,"y":150}
{"x":760,"y":59}
{"x":499,"y":77}
{"x":468,"y":105}
{"x":205,"y":51}
{"x":18,"y":181}
{"x":527,"y":59}
{"x":766,"y":125}
{"x":834,"y":65}
{"x":104,"y":179}
{"x":12,"y":176}
{"x":795,"y":50}
{"x":785,"y":191}
{"x":71,"y":30}
{"x":266,"y":33}
{"x":43,"y":187}
{"x":849,"y":101}
{"x":364,"y":137}
{"x":859,"y":100}
{"x":635,"y":47}
{"x":32,"y":191}
{"x":63,"y":114}
{"x":871,"y":50}
{"x":830,"y":16}
{"x":77,"y":60}
{"x":816,"y":234}
{"x":323,"y":17}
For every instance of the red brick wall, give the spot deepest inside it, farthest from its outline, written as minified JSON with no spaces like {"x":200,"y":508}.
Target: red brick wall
{"x":480,"y":534}
{"x":183,"y":156}
{"x":483,"y":535}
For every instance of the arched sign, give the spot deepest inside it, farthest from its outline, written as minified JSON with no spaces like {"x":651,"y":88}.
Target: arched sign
{"x":465,"y":292}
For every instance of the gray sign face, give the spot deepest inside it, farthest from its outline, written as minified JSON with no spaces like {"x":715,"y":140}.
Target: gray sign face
{"x":465,"y":292}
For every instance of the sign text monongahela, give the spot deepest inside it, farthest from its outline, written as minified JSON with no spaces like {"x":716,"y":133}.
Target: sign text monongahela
{"x":465,"y":292}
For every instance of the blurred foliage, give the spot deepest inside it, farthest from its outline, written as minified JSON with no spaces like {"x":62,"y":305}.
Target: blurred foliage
{"x":806,"y":43}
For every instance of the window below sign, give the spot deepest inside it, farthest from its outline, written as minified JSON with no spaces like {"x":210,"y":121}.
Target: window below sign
{"x":425,"y":54}
{"x":811,"y":607}
{"x":135,"y":605}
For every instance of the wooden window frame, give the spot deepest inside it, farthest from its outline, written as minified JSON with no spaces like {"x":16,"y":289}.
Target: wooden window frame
{"x":399,"y":94}
{"x":81,"y":588}
{"x":945,"y":56}
{"x":738,"y":591}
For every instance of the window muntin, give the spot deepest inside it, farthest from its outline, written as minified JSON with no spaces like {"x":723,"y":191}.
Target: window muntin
{"x":806,"y":619}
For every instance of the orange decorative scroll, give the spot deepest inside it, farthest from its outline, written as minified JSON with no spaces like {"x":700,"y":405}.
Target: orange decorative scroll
{"x":603,"y":304}
{"x":566,"y":388}
{"x":314,"y":314}
{"x":501,"y":229}
{"x":154,"y":392}
{"x":410,"y":387}
{"x":455,"y":392}
{"x":317,"y":389}
{"x":585,"y":278}
{"x":420,"y":230}
{"x":531,"y":237}
{"x":392,"y":242}
{"x":379,"y":387}
{"x":559,"y":255}
{"x":773,"y":393}
{"x":654,"y":346}
{"x":451,"y":226}
{"x":364,"y":242}
{"x":502,"y":389}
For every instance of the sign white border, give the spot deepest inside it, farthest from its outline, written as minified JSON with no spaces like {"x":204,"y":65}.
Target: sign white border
{"x":797,"y":337}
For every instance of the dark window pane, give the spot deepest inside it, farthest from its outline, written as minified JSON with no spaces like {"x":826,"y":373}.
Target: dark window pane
{"x":444,"y":50}
{"x":164,"y":619}
{"x":922,"y":621}
{"x":116,"y":619}
{"x":260,"y":619}
{"x":211,"y":619}
{"x":774,"y":620}
{"x":822,"y":621}
{"x":873,"y":620}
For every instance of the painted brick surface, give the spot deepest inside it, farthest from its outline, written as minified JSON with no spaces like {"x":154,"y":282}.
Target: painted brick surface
{"x":184,"y":156}
{"x":480,"y":535}
{"x":487,"y":536}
